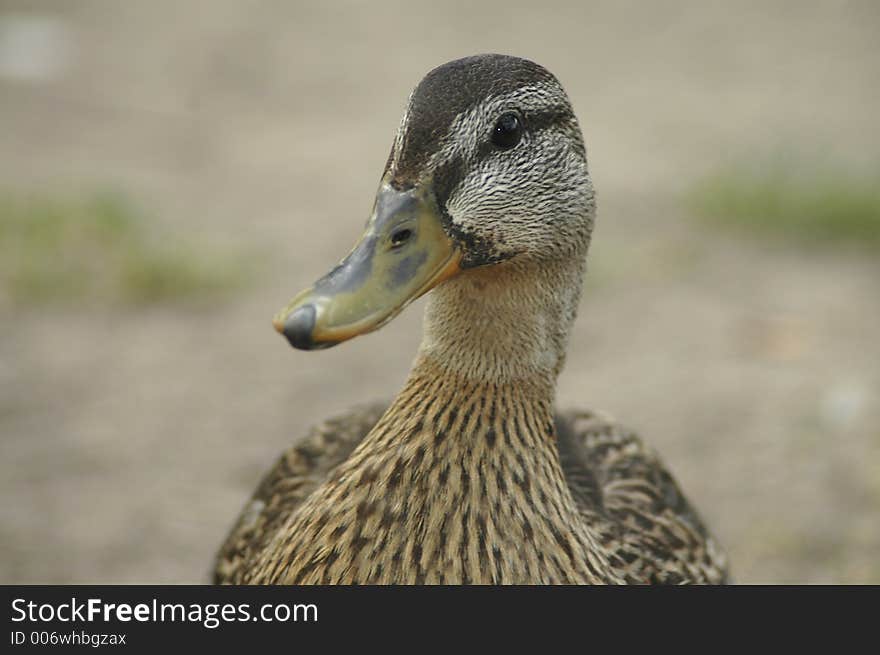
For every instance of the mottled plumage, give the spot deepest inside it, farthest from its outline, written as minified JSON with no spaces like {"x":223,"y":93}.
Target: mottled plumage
{"x":470,"y":475}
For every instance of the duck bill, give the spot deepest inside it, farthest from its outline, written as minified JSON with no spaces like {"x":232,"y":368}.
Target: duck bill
{"x":403,"y":253}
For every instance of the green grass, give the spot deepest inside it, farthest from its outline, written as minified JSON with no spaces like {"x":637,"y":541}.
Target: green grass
{"x":792,"y":202}
{"x":100,"y":248}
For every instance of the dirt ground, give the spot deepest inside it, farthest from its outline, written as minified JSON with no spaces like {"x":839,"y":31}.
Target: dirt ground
{"x":131,"y":437}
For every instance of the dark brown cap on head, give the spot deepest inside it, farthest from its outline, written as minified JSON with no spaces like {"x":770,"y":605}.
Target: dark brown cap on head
{"x":451,"y":89}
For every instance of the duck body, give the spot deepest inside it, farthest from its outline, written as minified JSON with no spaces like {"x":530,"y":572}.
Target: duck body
{"x":470,"y":475}
{"x":479,"y":493}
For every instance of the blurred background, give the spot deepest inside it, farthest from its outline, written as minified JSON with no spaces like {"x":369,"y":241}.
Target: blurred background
{"x":172,"y":173}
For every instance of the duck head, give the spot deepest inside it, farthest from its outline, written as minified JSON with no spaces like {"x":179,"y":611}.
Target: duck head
{"x":488,"y":165}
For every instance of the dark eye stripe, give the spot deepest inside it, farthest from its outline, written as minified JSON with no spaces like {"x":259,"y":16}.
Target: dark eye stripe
{"x":447,"y":177}
{"x":533,"y":123}
{"x":550,"y":117}
{"x":450,"y":174}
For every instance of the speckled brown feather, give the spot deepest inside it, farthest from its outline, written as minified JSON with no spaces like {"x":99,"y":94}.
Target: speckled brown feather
{"x":622,"y":488}
{"x":637,"y":526}
{"x":296,"y":474}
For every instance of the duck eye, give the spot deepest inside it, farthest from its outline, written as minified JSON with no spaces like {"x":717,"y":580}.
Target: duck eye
{"x":400,"y":237}
{"x":507,"y":131}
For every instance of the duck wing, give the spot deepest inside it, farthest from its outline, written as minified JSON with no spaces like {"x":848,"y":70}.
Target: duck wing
{"x":299,"y":471}
{"x":651,"y":531}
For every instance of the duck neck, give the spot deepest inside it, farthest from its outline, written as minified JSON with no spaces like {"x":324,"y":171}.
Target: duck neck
{"x":504,"y":323}
{"x":473,"y":468}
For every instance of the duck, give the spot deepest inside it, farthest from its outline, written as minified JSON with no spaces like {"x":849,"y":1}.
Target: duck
{"x":469,"y":475}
